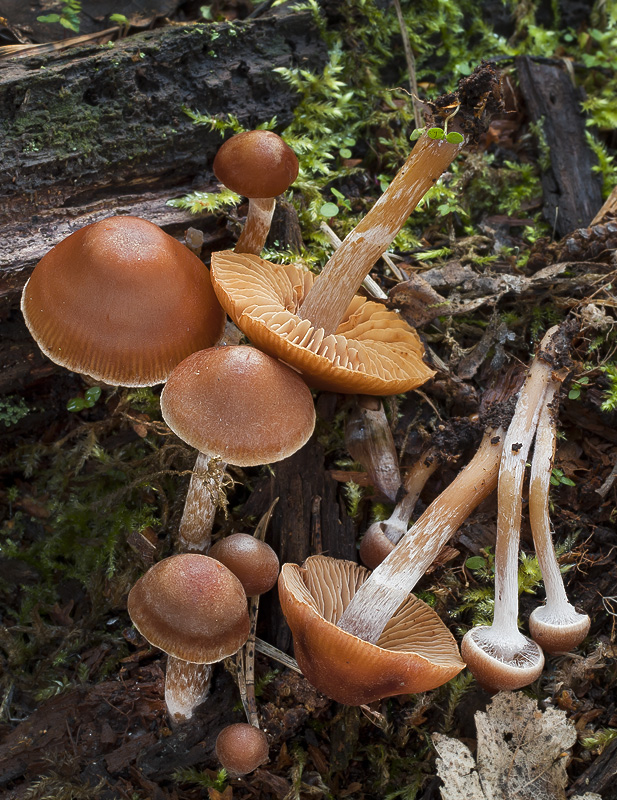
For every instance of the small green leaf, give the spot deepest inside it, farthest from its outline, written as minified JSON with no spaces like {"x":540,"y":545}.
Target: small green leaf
{"x":416,"y":134}
{"x":567,"y":481}
{"x":337,"y":194}
{"x":554,"y":481}
{"x":435,"y":133}
{"x":92,"y":395}
{"x":454,"y":137}
{"x":329,"y":210}
{"x":70,"y":24}
{"x":475,"y":562}
{"x":49,"y":18}
{"x":76,"y":404}
{"x":584,"y":380}
{"x":574,"y":393}
{"x":120,"y":19}
{"x":349,"y":141}
{"x":345,"y":152}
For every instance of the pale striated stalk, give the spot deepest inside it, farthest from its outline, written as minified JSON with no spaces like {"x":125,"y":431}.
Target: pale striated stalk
{"x":195,"y":531}
{"x":388,"y":586}
{"x":186,"y":687}
{"x":499,"y":655}
{"x":257,"y":225}
{"x":369,"y":440}
{"x":555,"y":626}
{"x":381,"y":537}
{"x":340,"y":279}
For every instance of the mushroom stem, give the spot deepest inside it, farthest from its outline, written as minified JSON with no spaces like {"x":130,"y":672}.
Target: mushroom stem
{"x":382,"y":593}
{"x":186,"y":687}
{"x":369,"y":440}
{"x":499,"y":655}
{"x":245,"y":660}
{"x":202,"y":499}
{"x":340,"y":279}
{"x":555,"y":626}
{"x":257,"y":225}
{"x":381,"y":537}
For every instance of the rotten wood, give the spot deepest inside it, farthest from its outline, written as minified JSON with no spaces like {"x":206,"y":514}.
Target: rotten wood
{"x":101,"y":129}
{"x":572,"y":191}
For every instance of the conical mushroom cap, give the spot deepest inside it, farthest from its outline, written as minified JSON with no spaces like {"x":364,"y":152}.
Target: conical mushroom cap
{"x":122,"y":301}
{"x":191,"y":607}
{"x":415,"y":653}
{"x":373,"y":351}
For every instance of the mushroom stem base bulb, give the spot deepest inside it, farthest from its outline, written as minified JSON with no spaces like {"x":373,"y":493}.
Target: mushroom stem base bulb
{"x":558,"y":632}
{"x":501,"y":661}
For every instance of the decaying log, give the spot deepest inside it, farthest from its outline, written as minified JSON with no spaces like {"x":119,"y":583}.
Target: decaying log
{"x":98,"y":128}
{"x":572,"y":191}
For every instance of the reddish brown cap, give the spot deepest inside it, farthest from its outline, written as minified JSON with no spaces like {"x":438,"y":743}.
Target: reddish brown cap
{"x":373,"y":351}
{"x":415,"y":652}
{"x":122,"y":301}
{"x":241,"y":748}
{"x":253,"y":562}
{"x":192,"y":607}
{"x":256,"y":164}
{"x":238,"y":403}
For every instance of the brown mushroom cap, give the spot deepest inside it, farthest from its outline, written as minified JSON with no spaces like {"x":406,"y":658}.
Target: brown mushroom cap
{"x":256,"y":164}
{"x":122,"y":301}
{"x":415,"y":652}
{"x":252,"y":561}
{"x":238,"y":403}
{"x":373,"y":351}
{"x":241,"y":748}
{"x":192,"y":607}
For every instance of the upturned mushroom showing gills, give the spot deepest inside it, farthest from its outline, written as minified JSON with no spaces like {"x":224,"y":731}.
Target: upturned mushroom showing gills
{"x":194,"y":609}
{"x":258,"y":165}
{"x":499,"y":655}
{"x":415,"y":652}
{"x":238,"y":405}
{"x":556,"y":626}
{"x":121,"y":301}
{"x":373,"y":351}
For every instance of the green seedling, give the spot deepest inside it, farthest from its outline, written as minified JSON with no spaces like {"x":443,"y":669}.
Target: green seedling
{"x":577,"y":385}
{"x":90,"y":397}
{"x":559,"y":479}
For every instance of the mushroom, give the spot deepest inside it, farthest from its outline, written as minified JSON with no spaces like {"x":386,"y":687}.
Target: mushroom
{"x":556,"y":626}
{"x":415,"y":652}
{"x":121,"y":301}
{"x":238,"y":405}
{"x":368,"y":439}
{"x":381,"y":537}
{"x":499,"y":655}
{"x":194,"y":609}
{"x":260,"y":166}
{"x":373,"y":351}
{"x":241,"y":748}
{"x":252,"y":561}
{"x":376,"y":601}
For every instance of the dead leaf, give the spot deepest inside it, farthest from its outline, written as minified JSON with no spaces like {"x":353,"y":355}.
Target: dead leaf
{"x":521,"y":755}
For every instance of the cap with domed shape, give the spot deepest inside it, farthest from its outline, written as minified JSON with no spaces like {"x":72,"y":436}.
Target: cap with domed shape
{"x":121,"y":301}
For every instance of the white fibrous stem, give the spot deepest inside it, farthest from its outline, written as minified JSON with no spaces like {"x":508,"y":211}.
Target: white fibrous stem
{"x":340,"y":279}
{"x":202,"y":499}
{"x":257,"y":225}
{"x":381,"y":537}
{"x":378,"y":598}
{"x":186,"y":687}
{"x":556,"y":626}
{"x":499,"y":655}
{"x":509,"y":498}
{"x":369,"y":440}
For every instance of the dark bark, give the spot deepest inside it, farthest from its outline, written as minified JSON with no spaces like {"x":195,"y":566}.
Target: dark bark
{"x":572,"y":191}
